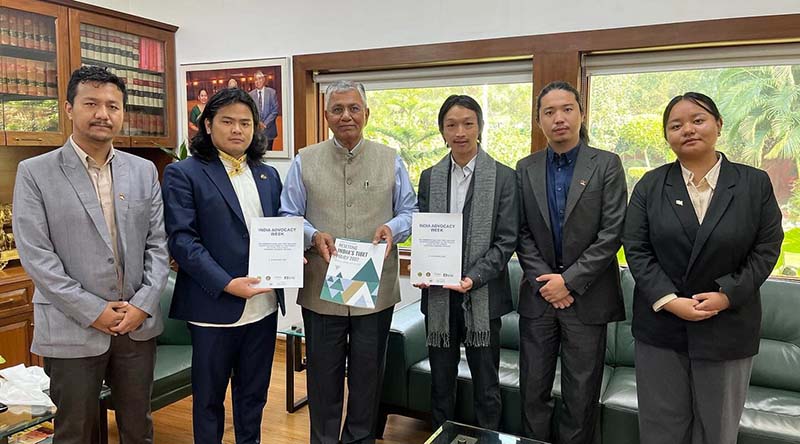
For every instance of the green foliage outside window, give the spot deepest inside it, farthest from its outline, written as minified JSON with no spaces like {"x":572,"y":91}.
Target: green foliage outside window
{"x":406,"y":119}
{"x":760,"y":107}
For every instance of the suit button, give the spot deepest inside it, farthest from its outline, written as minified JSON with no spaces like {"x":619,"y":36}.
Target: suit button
{"x":349,"y":225}
{"x":244,"y":236}
{"x":349,"y":181}
{"x":113,"y":288}
{"x":111,"y":260}
{"x":349,"y":204}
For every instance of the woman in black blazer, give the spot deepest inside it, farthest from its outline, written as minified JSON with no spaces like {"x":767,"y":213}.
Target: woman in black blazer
{"x":701,"y":236}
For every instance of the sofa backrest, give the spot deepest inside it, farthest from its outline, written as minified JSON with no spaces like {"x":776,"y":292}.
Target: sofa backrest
{"x":621,"y":352}
{"x":777,"y":364}
{"x":175,"y":332}
{"x":509,"y":333}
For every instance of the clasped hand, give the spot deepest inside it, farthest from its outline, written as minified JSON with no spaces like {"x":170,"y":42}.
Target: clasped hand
{"x":700,"y":307}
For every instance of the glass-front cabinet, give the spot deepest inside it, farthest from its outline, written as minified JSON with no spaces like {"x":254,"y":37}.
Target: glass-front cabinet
{"x":33,"y":77}
{"x":139,"y":55}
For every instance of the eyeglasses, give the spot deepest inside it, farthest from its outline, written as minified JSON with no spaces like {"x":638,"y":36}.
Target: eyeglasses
{"x":352,"y":109}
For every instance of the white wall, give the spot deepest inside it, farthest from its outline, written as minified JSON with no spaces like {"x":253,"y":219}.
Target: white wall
{"x":213,"y":30}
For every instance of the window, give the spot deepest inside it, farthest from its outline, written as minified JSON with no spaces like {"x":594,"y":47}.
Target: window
{"x":404,"y":105}
{"x":757,"y":90}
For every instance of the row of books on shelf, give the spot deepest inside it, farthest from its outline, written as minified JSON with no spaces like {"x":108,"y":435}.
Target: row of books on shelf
{"x":28,"y":77}
{"x":143,"y":89}
{"x":143,"y":124}
{"x":26,"y":30}
{"x":123,"y":49}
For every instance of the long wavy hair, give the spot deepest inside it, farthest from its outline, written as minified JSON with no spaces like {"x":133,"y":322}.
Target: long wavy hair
{"x":202,"y":145}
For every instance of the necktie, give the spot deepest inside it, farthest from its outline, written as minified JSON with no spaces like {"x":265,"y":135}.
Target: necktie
{"x":260,"y":100}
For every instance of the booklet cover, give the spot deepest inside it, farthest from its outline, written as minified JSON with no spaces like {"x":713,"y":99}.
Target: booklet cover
{"x":436,"y":256}
{"x":276,"y":251}
{"x":354,"y":274}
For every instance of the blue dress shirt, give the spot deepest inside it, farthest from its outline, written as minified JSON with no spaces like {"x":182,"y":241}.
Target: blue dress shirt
{"x":404,"y":201}
{"x":559,"y":175}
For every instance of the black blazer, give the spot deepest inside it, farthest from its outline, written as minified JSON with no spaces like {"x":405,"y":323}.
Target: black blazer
{"x":492,"y":269}
{"x":734,"y":249}
{"x":591,"y":234}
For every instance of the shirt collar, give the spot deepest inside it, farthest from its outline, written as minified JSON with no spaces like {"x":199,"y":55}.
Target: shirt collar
{"x":85,"y":157}
{"x":355,"y":149}
{"x":234,"y":167}
{"x":570,"y":155}
{"x":711,"y":177}
{"x":467,"y":169}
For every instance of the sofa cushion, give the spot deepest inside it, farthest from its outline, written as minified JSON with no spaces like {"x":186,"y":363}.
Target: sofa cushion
{"x":173,"y":368}
{"x":619,"y":419}
{"x":770,"y":416}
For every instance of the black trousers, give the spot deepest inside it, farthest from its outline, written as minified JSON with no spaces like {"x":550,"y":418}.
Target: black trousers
{"x":484,"y":364}
{"x":582,"y":353}
{"x":332,"y":341}
{"x":127,"y":367}
{"x":242,"y":355}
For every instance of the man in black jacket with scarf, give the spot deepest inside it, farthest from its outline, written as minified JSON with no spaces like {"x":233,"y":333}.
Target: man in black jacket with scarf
{"x":470,"y":182}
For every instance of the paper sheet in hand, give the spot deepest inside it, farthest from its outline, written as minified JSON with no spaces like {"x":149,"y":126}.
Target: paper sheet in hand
{"x":276,"y":251}
{"x":436,"y":254}
{"x":354,"y":274}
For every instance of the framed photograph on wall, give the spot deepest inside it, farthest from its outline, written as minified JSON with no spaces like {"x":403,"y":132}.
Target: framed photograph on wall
{"x":267,"y":82}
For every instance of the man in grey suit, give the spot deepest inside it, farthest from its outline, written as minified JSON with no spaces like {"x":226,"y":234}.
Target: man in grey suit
{"x":267,"y":102}
{"x":89,"y":226}
{"x":573,"y":209}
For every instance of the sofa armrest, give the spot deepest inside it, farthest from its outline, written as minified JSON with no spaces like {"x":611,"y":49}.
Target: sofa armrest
{"x":406,"y":347}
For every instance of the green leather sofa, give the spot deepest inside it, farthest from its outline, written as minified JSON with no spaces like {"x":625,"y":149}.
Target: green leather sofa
{"x":772,"y":410}
{"x":173,"y":371}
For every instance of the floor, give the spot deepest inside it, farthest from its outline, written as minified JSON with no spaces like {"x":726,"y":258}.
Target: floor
{"x":173,"y":424}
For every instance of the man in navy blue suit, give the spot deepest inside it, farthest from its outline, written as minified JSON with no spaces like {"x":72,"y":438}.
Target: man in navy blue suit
{"x":209,"y":201}
{"x":266,"y":100}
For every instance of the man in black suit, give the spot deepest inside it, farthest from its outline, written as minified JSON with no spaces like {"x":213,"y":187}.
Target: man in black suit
{"x":573,"y":210}
{"x":470,"y":182}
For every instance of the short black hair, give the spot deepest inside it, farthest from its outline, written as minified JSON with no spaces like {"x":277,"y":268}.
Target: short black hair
{"x":699,"y":99}
{"x":97,"y":75}
{"x":203,"y":147}
{"x":563,"y":86}
{"x":463,"y":101}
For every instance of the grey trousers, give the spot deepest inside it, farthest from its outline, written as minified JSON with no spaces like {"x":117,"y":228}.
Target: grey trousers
{"x":689,"y":401}
{"x":127,"y":367}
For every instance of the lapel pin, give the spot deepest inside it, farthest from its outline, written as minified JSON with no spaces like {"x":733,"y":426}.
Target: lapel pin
{"x":583,"y":183}
{"x":263,"y":176}
{"x":679,"y":202}
{"x":121,"y":196}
